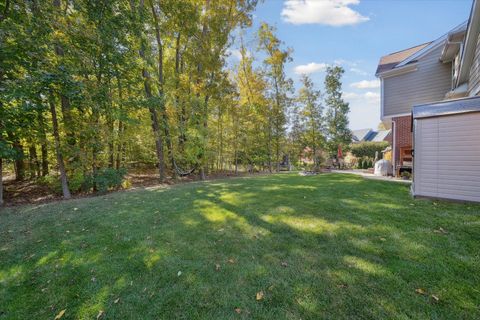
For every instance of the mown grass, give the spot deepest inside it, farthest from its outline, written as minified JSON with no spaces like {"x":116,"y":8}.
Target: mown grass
{"x":324,"y":247}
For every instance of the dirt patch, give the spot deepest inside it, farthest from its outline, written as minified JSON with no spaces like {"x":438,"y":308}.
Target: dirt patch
{"x":17,"y":193}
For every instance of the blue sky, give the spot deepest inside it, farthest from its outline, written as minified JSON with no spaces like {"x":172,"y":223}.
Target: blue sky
{"x":355,"y":34}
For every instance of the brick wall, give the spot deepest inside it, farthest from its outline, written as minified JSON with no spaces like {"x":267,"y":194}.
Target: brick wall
{"x":403,"y":134}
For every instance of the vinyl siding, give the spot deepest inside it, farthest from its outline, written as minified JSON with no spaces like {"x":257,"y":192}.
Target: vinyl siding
{"x":474,"y":77}
{"x":429,"y":83}
{"x":447,"y":157}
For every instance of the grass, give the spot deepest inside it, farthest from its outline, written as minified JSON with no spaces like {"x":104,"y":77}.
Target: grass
{"x":329,"y":246}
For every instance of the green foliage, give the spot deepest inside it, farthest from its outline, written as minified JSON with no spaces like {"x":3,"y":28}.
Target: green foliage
{"x":106,"y":179}
{"x":76,"y":182}
{"x":368,"y":148}
{"x":338,"y":133}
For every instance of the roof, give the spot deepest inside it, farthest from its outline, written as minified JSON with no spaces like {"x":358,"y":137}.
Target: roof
{"x":449,"y":107}
{"x":389,"y":61}
{"x":380,"y":136}
{"x":369,"y":135}
{"x":361,"y":134}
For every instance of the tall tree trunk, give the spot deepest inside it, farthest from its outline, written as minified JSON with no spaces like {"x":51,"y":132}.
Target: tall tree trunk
{"x":60,"y":163}
{"x":118,"y":160}
{"x":43,"y":142}
{"x":153,"y":112}
{"x":182,"y":113}
{"x":1,"y":182}
{"x":65,"y":101}
{"x":19,"y":165}
{"x":166,"y":125}
{"x":121,"y":125}
{"x":34,"y":164}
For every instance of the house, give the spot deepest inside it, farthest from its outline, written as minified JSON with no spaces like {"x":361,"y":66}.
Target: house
{"x":362,"y":135}
{"x":430,"y":99}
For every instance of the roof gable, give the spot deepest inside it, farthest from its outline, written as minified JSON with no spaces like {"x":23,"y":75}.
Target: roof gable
{"x":390,"y":61}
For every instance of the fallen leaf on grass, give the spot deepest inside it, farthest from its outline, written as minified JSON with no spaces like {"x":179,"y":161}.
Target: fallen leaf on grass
{"x":259,"y":295}
{"x":179,"y":273}
{"x":383,"y":239}
{"x":238,"y":310}
{"x":420,"y":291}
{"x":232,"y":261}
{"x":100,"y":314}
{"x":435,"y":298}
{"x":440,"y":230}
{"x":116,"y":301}
{"x":60,"y":314}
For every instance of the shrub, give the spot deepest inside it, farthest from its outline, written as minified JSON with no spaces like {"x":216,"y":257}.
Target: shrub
{"x":106,"y":179}
{"x":76,"y":182}
{"x":368,"y":149}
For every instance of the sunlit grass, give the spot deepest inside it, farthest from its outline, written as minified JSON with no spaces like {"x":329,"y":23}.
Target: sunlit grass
{"x":329,"y":246}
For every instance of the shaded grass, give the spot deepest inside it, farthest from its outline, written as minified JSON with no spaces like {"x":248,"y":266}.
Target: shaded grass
{"x":329,"y":246}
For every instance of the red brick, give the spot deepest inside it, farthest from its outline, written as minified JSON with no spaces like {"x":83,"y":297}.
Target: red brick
{"x":403,"y":134}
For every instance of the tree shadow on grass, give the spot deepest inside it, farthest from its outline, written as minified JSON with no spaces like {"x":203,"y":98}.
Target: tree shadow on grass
{"x":327,"y":247}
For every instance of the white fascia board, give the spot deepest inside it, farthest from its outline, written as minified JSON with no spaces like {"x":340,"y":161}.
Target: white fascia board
{"x":398,"y":71}
{"x":396,"y":115}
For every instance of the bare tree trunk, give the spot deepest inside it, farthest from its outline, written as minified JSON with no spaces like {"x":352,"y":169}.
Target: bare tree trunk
{"x":182,"y":114}
{"x":118,"y":161}
{"x":61,"y":164}
{"x":34,"y":163}
{"x":1,"y":182}
{"x":121,"y":125}
{"x":19,"y":165}
{"x":43,"y":141}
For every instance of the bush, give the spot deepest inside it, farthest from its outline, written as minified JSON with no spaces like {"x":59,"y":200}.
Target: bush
{"x":368,"y":149}
{"x":106,"y":179}
{"x":76,"y":182}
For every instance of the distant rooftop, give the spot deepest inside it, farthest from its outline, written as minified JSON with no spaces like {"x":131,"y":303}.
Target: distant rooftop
{"x":369,"y":135}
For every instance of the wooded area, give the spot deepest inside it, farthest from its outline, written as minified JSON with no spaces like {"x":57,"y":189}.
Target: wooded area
{"x":89,"y":89}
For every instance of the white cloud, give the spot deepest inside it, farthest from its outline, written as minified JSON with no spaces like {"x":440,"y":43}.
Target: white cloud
{"x":237,"y":54}
{"x":364,"y":109}
{"x":366,"y":84}
{"x":344,"y":62}
{"x":328,"y":12}
{"x":359,"y":71}
{"x":311,"y":67}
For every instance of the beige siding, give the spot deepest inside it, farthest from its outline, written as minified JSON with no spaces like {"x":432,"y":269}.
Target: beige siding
{"x":474,"y":77}
{"x":447,"y":157}
{"x":429,"y":83}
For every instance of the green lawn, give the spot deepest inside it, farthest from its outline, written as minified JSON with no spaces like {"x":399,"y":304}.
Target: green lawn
{"x":329,"y":246}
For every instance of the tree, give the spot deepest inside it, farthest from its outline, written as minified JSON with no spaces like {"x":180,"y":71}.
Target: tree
{"x":336,"y":118}
{"x":310,"y":118}
{"x":279,"y":87}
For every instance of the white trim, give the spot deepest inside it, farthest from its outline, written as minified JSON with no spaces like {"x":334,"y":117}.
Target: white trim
{"x":382,"y":101}
{"x":471,"y":39}
{"x":394,"y":146}
{"x":433,"y":45}
{"x":398,"y":115}
{"x":398,"y":71}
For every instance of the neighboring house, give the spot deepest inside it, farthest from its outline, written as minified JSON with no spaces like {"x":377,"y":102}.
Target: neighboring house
{"x":362,"y":135}
{"x":434,"y":87}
